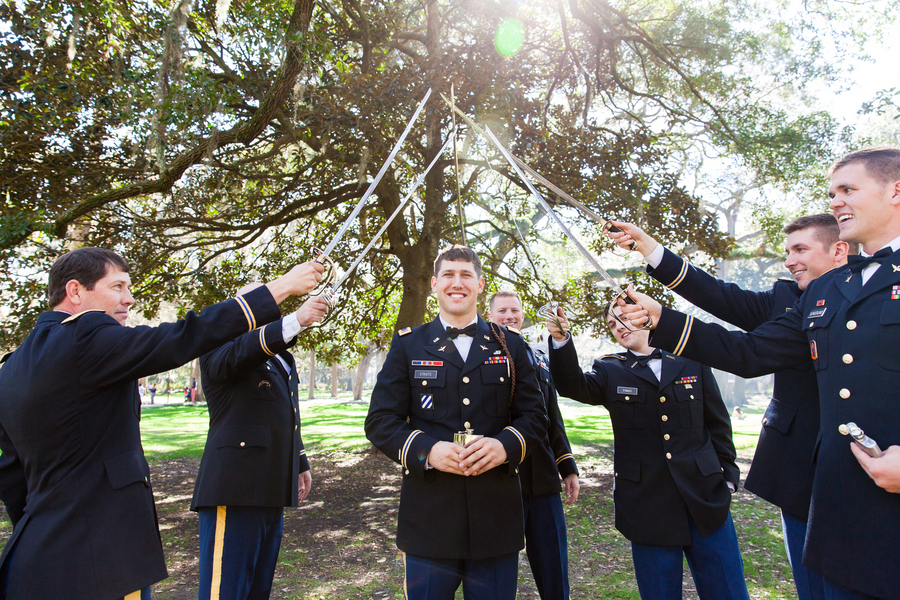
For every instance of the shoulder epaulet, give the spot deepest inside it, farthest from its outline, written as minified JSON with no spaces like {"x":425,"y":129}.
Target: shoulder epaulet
{"x":5,"y":356}
{"x":788,"y":279}
{"x":514,"y":330}
{"x":404,"y":331}
{"x":619,"y":356}
{"x":84,"y":312}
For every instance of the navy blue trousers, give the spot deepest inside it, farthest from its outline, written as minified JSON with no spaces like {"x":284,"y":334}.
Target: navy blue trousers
{"x":238,"y":551}
{"x":438,"y":579}
{"x":715,"y":562}
{"x":546,"y":545}
{"x":810,"y":583}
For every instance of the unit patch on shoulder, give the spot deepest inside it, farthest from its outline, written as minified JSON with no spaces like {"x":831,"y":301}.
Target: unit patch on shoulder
{"x":405,"y":330}
{"x":84,"y":312}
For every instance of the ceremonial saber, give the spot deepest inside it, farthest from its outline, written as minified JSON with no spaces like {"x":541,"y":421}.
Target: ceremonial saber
{"x":605,"y":225}
{"x":620,"y":293}
{"x":418,"y":182}
{"x":387,"y":163}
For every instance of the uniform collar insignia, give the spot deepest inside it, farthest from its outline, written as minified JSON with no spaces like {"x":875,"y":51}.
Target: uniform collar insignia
{"x":483,"y":347}
{"x":442,"y":348}
{"x":896,"y":268}
{"x":435,"y":340}
{"x":848,"y":279}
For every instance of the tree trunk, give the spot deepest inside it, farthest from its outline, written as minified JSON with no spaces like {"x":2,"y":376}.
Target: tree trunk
{"x":361,"y":371}
{"x":335,"y":368}
{"x":195,"y":376}
{"x":312,"y":373}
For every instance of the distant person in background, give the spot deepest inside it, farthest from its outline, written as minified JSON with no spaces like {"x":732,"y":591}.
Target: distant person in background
{"x":540,"y":472}
{"x":152,"y":392}
{"x":193,"y":390}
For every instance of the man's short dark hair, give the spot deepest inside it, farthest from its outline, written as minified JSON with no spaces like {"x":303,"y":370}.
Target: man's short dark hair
{"x":882,"y":163}
{"x":460,"y":253}
{"x":828,"y":232}
{"x":87,"y":266}
{"x":504,"y":294}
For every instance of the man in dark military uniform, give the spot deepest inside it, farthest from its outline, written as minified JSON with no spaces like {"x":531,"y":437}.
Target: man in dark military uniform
{"x":848,"y":322}
{"x":545,"y":521}
{"x":460,"y":507}
{"x":254,"y":463}
{"x":782,"y":468}
{"x":674,"y":461}
{"x":85,"y":523}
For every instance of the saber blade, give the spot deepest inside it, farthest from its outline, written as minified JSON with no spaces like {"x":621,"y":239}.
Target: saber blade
{"x":537,"y":196}
{"x":396,"y":212}
{"x":371,"y":188}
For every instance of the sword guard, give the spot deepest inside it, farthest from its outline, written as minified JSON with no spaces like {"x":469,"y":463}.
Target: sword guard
{"x":327,"y":275}
{"x":610,"y":228}
{"x":548,"y":313}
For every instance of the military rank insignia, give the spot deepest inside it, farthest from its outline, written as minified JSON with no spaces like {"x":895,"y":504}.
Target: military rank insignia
{"x":405,"y":331}
{"x":427,"y":363}
{"x":496,"y":360}
{"x":895,"y":292}
{"x":687,"y":380}
{"x":813,"y":351}
{"x":427,"y":401}
{"x":820,"y":303}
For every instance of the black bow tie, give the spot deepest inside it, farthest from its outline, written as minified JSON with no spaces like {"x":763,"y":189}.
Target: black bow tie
{"x":643,"y":360}
{"x":858,"y":262}
{"x":469,"y":330}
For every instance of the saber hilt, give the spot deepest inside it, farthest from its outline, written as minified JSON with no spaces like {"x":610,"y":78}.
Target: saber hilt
{"x":859,"y":437}
{"x":548,"y":312}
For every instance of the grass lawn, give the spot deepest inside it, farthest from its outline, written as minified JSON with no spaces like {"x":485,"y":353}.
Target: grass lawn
{"x":600,"y":558}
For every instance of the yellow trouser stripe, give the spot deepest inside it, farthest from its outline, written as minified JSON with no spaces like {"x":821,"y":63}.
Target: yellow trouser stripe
{"x":218,"y":551}
{"x":405,"y":575}
{"x":133,"y":596}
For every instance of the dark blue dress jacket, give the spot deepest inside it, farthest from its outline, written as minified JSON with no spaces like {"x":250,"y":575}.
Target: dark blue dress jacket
{"x":673,"y":446}
{"x":69,"y":420}
{"x":254,"y":452}
{"x":425,"y":393}
{"x":782,"y":469}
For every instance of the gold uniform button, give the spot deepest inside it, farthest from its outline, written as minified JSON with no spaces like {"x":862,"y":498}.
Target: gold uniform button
{"x":851,"y":325}
{"x":847,"y":358}
{"x":466,"y":401}
{"x":668,"y":455}
{"x":627,"y":398}
{"x":692,"y":396}
{"x":407,"y":471}
{"x":666,"y":437}
{"x":465,"y":380}
{"x":502,"y":380}
{"x":665,"y":418}
{"x":467,"y":425}
{"x":295,"y":428}
{"x":243,"y":444}
{"x":845,"y":393}
{"x":765,"y":420}
{"x":616,"y":474}
{"x":424,"y":383}
{"x":662,"y":398}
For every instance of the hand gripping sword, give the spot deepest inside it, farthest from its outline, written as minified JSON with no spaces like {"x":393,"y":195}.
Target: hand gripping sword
{"x":330,"y":291}
{"x":324,"y":254}
{"x":605,"y":225}
{"x":620,"y":293}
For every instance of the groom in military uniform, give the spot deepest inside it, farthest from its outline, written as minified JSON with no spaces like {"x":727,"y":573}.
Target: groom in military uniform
{"x":461,"y":514}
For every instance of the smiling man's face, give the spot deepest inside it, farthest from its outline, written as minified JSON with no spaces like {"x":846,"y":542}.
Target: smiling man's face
{"x":457,"y":286}
{"x":807,"y":256}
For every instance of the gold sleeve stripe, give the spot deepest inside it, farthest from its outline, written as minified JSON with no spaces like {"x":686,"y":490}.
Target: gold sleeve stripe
{"x":685,"y":335}
{"x":251,"y":320}
{"x":262,"y":341}
{"x":133,"y":596}
{"x":406,"y":447}
{"x":218,"y":553}
{"x":302,"y":452}
{"x":564,"y":457}
{"x":521,"y":440}
{"x":681,"y":275}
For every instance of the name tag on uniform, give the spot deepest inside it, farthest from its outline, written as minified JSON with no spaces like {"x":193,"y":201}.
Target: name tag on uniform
{"x":626,"y":390}
{"x":426,"y":374}
{"x":817,"y":313}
